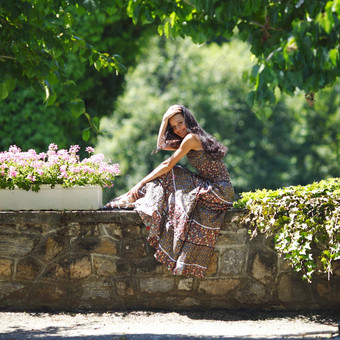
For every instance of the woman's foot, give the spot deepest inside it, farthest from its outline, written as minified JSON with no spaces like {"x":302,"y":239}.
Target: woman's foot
{"x":121,"y":202}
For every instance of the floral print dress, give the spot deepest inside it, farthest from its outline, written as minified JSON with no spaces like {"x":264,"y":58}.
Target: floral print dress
{"x":183,"y":212}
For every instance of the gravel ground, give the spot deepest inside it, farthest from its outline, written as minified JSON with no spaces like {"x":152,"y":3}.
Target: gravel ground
{"x":170,"y":325}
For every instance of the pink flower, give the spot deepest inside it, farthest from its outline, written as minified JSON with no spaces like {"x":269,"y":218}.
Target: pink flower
{"x":42,"y":155}
{"x":64,"y":154}
{"x":12,"y":171}
{"x":40,"y":172}
{"x":53,"y":147}
{"x":14,"y":149}
{"x":74,"y":148}
{"x":30,"y":177}
{"x":53,"y":159}
{"x":97,"y":158}
{"x":89,"y":149}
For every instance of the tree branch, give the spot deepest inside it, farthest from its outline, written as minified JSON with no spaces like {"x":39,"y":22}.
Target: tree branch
{"x":7,"y":57}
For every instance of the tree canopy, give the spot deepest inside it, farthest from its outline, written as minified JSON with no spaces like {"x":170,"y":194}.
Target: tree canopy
{"x":28,"y":122}
{"x":39,"y":39}
{"x":295,"y":43}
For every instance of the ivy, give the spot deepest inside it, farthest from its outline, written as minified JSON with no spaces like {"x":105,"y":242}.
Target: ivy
{"x":305,"y":222}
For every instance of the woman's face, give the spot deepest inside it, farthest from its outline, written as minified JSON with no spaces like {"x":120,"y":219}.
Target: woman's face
{"x":178,"y":126}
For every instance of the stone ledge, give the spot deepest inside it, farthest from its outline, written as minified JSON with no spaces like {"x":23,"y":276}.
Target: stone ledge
{"x":82,"y":216}
{"x":100,"y":260}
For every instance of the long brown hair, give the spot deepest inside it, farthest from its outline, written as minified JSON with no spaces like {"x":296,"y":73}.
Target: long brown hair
{"x":209,"y":143}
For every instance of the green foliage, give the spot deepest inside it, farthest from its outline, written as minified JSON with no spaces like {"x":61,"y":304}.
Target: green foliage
{"x":39,"y":41}
{"x":297,"y":145}
{"x":305,"y":221}
{"x":86,"y":96}
{"x":36,"y":37}
{"x":296,"y":43}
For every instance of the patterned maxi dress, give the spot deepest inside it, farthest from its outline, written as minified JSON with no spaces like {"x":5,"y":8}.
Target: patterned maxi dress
{"x":183,"y":212}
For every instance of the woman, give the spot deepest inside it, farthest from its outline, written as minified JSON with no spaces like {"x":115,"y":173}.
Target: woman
{"x":183,"y":210}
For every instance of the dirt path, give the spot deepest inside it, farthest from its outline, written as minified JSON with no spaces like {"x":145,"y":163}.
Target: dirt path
{"x":169,"y":325}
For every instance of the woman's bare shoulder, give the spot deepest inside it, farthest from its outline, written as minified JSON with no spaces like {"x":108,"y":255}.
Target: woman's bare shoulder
{"x":192,"y":141}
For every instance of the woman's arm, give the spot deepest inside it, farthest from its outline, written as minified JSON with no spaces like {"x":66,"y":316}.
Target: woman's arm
{"x":189,"y":142}
{"x":167,"y":115}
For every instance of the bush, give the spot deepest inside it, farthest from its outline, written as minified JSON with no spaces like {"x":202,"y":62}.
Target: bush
{"x":304,"y":221}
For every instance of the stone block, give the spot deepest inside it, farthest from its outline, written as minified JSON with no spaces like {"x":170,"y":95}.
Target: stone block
{"x":155,"y":285}
{"x":134,"y":248}
{"x":213,"y":265}
{"x":231,"y":237}
{"x":12,"y":217}
{"x":111,"y":229}
{"x":51,"y":248}
{"x":106,"y":246}
{"x":146,"y":265}
{"x":99,"y":290}
{"x":125,"y":288}
{"x":104,"y":266}
{"x":233,"y":261}
{"x":42,"y":217}
{"x":16,"y":245}
{"x":253,"y":294}
{"x":49,"y":294}
{"x":264,"y":267}
{"x":8,"y":289}
{"x":131,"y":231}
{"x":185,"y":284}
{"x":71,"y":268}
{"x":80,"y":268}
{"x":73,"y":229}
{"x":5,"y":268}
{"x":218,"y":286}
{"x":124,"y":266}
{"x":89,"y":230}
{"x":293,"y":291}
{"x":27,"y":269}
{"x":34,"y":228}
{"x":83,"y":244}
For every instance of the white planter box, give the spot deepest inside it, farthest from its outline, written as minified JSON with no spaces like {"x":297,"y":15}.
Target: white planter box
{"x":59,"y":198}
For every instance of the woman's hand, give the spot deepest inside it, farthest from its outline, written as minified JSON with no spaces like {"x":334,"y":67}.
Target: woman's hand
{"x":171,"y":111}
{"x":133,"y":192}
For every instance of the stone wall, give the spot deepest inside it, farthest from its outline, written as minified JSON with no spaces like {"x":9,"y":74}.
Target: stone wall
{"x":100,"y":260}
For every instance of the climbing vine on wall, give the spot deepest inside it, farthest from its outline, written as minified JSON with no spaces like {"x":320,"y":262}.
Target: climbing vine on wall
{"x":305,"y":222}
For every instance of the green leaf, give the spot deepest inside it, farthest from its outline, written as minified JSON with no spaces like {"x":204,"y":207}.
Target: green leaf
{"x":77,"y":107}
{"x":3,"y":91}
{"x":95,"y":124}
{"x":250,"y":98}
{"x":86,"y":134}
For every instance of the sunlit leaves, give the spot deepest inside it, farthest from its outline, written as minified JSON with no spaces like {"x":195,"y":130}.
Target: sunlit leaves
{"x":36,"y":37}
{"x":290,"y":40}
{"x":303,"y":219}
